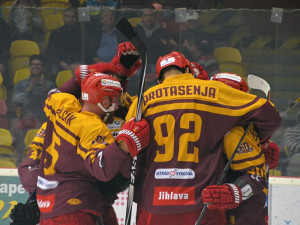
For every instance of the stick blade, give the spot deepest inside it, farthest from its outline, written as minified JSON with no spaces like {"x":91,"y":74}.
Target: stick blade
{"x":255,"y":82}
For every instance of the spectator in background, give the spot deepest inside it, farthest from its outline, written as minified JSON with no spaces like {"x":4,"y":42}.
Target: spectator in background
{"x":153,"y":35}
{"x":5,"y":42}
{"x":65,"y":44}
{"x":201,"y":51}
{"x":102,"y":39}
{"x":292,"y":142}
{"x":192,"y":27}
{"x":29,"y":95}
{"x":25,"y":20}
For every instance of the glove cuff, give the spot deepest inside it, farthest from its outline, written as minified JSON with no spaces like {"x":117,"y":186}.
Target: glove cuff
{"x":236,"y":194}
{"x":133,"y":136}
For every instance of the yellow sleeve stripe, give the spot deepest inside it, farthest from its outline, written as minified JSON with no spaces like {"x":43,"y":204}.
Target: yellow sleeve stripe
{"x":203,"y":106}
{"x":66,"y":134}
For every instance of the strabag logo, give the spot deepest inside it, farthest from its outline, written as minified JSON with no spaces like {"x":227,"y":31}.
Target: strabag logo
{"x":45,"y":203}
{"x":174,"y":196}
{"x":174,"y":173}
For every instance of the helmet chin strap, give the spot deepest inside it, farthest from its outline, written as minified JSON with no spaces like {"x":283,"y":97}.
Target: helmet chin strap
{"x":107,"y":111}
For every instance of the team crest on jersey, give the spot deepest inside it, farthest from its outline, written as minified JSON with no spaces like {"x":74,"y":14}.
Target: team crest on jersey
{"x":244,"y":148}
{"x":99,"y":140}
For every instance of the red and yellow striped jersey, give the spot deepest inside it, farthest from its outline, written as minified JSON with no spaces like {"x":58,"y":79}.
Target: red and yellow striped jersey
{"x":188,"y":119}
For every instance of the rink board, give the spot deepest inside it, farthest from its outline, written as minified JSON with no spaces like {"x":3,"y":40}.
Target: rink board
{"x":284,"y":199}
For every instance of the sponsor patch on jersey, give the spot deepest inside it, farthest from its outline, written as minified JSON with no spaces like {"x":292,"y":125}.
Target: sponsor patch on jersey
{"x":167,"y":61}
{"x":174,"y":196}
{"x":74,"y":201}
{"x":45,"y":203}
{"x":174,"y":173}
{"x":45,"y":184}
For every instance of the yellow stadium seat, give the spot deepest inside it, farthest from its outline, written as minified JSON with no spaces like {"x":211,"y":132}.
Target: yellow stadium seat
{"x":56,"y":4}
{"x":18,"y":62}
{"x":227,"y":54}
{"x":5,"y":137}
{"x":1,"y":78}
{"x":24,"y":47}
{"x":64,"y":1}
{"x":62,"y":77}
{"x":21,"y":74}
{"x":53,"y":21}
{"x":5,"y":8}
{"x":30,"y":134}
{"x":232,"y":67}
{"x":7,"y":150}
{"x":3,"y":94}
{"x":7,"y":164}
{"x":134,"y":21}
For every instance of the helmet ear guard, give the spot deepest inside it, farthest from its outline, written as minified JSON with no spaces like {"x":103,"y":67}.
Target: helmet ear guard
{"x":98,"y":85}
{"x":173,"y":59}
{"x":233,"y":80}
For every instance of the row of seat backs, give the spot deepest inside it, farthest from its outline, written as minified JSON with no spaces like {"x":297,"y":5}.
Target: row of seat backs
{"x":61,"y":77}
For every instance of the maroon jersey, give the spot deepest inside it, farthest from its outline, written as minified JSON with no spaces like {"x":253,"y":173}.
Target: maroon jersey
{"x":75,"y":153}
{"x":188,"y":119}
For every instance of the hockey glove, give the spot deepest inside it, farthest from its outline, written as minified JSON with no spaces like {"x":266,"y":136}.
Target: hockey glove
{"x":25,"y":214}
{"x":225,"y":196}
{"x":127,"y":59}
{"x":83,"y":70}
{"x":272,"y":154}
{"x":136,"y":135}
{"x":199,"y":72}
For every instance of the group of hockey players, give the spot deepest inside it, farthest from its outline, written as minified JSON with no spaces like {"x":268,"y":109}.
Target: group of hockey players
{"x":81,"y":157}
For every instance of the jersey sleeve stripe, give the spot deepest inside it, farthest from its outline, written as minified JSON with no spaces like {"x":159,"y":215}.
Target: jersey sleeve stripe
{"x":210,"y":107}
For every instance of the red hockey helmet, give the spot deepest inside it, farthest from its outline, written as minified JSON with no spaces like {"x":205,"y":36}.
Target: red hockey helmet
{"x":199,"y":72}
{"x":232,"y":80}
{"x":98,"y":85}
{"x":173,"y":59}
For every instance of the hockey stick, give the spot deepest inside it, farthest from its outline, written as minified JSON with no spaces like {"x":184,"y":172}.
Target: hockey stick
{"x":220,"y":180}
{"x":255,"y":82}
{"x":128,"y":31}
{"x":292,"y":105}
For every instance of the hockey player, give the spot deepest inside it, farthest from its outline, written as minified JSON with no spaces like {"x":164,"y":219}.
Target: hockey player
{"x":188,"y":119}
{"x":78,"y":148}
{"x":123,"y":66}
{"x":248,"y":171}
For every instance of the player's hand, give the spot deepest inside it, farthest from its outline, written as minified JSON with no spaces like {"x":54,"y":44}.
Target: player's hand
{"x":136,"y":135}
{"x":127,"y":59}
{"x":272,"y":154}
{"x":25,"y":214}
{"x":225,"y":196}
